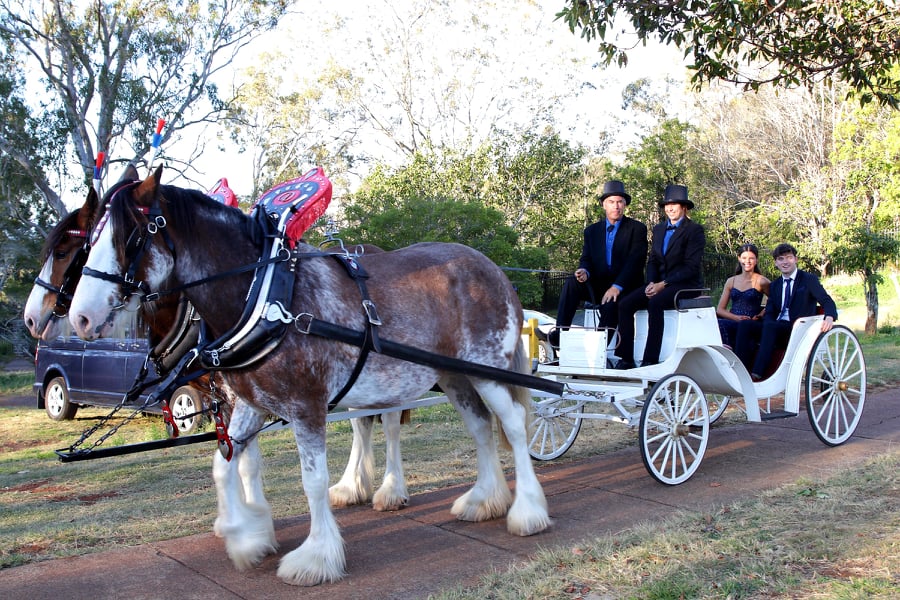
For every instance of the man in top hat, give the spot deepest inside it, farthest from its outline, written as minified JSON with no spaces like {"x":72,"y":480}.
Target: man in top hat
{"x":612,"y":262}
{"x":675,"y":264}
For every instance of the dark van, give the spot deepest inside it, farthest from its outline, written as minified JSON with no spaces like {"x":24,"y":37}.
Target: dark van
{"x":70,"y":373}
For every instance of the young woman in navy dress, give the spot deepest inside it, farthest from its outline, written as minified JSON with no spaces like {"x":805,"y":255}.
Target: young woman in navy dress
{"x":745,"y":291}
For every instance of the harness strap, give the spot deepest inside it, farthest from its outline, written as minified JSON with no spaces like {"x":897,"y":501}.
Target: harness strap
{"x":308,"y":324}
{"x":371,"y":340}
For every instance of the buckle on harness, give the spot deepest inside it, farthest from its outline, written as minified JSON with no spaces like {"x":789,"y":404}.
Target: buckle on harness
{"x":371,"y":313}
{"x":303,"y":322}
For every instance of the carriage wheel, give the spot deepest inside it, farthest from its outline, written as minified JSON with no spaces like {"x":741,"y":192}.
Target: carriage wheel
{"x":555,"y":424}
{"x":717,"y":403}
{"x":674,"y":429}
{"x":835,"y":385}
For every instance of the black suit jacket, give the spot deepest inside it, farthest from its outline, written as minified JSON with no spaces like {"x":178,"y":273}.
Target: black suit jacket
{"x":682,"y":265}
{"x":629,"y":253}
{"x":807,"y":294}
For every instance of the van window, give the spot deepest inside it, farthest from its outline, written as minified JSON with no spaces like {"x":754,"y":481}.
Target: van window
{"x":132,"y":328}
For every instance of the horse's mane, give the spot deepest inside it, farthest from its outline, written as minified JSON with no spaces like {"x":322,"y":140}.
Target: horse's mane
{"x":59,"y":233}
{"x":181,"y":205}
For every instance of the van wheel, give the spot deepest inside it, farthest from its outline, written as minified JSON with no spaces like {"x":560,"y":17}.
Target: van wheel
{"x":184,"y":403}
{"x":56,"y":401}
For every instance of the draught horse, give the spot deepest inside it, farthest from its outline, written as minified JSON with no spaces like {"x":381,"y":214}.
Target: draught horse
{"x":62,"y":259}
{"x":446,"y":299}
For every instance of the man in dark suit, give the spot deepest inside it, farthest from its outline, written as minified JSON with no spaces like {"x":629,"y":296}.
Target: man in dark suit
{"x":612,"y":261}
{"x":793,"y":295}
{"x":675,"y":264}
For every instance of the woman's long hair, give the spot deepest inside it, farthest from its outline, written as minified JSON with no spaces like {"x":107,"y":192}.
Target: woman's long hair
{"x":748,"y":248}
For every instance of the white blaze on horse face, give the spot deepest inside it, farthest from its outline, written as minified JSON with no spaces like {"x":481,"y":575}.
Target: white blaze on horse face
{"x":91,"y":313}
{"x":35,"y":314}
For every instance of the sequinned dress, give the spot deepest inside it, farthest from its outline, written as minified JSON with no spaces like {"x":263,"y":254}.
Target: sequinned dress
{"x":744,"y":303}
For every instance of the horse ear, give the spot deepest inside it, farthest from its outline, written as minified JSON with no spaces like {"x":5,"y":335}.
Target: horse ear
{"x":86,"y":213}
{"x":148,"y":188}
{"x":130,"y":173}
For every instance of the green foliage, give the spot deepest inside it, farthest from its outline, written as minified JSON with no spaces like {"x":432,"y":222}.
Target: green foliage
{"x":661,"y":159}
{"x":516,"y":200}
{"x":417,"y":219}
{"x":795,"y":42}
{"x":536,"y":180}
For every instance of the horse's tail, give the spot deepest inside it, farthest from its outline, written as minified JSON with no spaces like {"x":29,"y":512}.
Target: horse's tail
{"x":522,"y":395}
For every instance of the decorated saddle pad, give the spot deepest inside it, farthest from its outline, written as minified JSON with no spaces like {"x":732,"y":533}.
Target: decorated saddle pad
{"x":296,"y":204}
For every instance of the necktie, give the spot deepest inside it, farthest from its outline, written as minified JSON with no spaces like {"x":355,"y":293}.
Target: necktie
{"x":609,"y":244}
{"x":787,"y":300}
{"x":670,"y":229}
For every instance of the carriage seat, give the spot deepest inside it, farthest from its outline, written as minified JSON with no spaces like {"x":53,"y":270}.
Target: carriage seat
{"x":779,"y":351}
{"x":692,"y":324}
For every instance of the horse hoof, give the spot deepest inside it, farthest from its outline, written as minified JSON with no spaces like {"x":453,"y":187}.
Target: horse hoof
{"x":390,"y":504}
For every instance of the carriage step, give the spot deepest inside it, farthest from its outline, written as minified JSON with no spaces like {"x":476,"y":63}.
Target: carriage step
{"x":777,"y":414}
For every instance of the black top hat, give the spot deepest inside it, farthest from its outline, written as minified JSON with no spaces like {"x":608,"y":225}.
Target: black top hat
{"x":676,"y":194}
{"x":615,"y":188}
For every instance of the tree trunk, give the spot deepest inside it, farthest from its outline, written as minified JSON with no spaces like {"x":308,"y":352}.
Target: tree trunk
{"x":870,"y":284}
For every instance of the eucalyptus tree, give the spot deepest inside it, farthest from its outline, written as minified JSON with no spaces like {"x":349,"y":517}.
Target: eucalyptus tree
{"x":866,"y":161}
{"x":96,"y":76}
{"x":386,"y":81}
{"x":752,"y":44}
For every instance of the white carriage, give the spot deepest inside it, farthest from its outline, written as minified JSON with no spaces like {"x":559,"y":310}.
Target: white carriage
{"x":673,"y":403}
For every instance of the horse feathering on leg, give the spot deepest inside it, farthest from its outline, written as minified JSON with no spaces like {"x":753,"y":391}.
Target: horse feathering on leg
{"x":446,"y":299}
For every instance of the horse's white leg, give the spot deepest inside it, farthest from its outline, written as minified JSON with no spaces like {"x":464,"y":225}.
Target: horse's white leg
{"x":355,"y":485}
{"x":490,"y":497}
{"x":250,"y":471}
{"x":528,"y":514}
{"x":320,"y":558}
{"x":392,"y":495}
{"x":246,"y":526}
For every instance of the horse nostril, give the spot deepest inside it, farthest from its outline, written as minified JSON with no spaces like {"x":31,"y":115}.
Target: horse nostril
{"x":82,"y":324}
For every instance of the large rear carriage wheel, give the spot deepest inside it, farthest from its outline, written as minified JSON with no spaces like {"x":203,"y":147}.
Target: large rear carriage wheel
{"x":555,"y":425}
{"x":835,"y":385}
{"x":674,"y":429}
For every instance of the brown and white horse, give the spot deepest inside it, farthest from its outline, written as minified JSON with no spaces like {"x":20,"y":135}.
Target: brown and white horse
{"x":47,"y":307}
{"x":446,"y":299}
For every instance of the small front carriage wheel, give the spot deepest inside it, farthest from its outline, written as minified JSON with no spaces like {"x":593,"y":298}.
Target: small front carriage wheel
{"x":186,"y":406}
{"x":717,"y":403}
{"x":56,"y":401}
{"x":674,"y":429}
{"x":555,"y":425}
{"x":835,"y":385}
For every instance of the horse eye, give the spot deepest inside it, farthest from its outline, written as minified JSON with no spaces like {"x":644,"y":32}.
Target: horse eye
{"x":59,"y":254}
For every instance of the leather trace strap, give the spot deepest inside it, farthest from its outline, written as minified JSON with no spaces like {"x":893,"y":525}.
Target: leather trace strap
{"x":371,"y":340}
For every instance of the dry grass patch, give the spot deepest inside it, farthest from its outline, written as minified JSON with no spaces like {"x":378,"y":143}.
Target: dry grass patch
{"x":838,"y":538}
